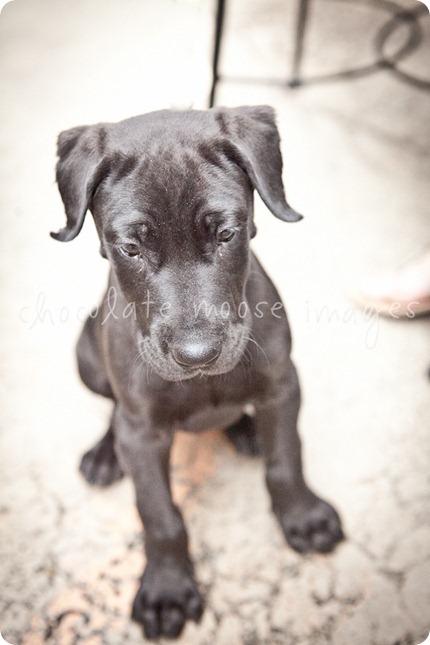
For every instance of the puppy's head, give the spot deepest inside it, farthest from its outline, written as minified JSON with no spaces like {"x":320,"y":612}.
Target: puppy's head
{"x":172,"y":198}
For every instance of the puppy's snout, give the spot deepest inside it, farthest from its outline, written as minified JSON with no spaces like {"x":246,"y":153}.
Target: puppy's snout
{"x":196,"y":353}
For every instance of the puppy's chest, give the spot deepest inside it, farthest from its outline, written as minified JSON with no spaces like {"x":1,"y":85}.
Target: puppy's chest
{"x":210,"y":417}
{"x":196,"y":407}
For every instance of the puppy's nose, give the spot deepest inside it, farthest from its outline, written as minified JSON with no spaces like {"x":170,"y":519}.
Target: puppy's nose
{"x":198,"y":353}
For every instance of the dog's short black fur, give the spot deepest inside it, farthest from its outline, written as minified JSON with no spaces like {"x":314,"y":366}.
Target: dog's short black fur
{"x":191,"y":332}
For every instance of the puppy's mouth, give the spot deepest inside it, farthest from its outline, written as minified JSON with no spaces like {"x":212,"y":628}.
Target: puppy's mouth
{"x":163,"y":363}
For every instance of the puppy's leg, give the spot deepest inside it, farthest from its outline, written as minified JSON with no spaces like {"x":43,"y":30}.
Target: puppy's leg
{"x":168,"y":594}
{"x":100,"y":465}
{"x":309,"y":523}
{"x":90,"y":363}
{"x":243,"y":435}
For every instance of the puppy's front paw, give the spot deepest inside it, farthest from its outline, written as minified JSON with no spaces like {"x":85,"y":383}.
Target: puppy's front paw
{"x":310,"y":524}
{"x":166,"y":599}
{"x":100,"y":465}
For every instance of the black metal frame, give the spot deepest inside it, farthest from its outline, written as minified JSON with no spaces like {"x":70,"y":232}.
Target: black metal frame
{"x":398,"y":16}
{"x":219,"y":28}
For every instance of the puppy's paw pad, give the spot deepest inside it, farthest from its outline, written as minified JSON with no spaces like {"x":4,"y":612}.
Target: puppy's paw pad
{"x":100,"y":466}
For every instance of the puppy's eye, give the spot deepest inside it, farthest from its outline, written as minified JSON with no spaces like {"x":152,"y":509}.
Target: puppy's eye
{"x":226,"y":235}
{"x":130,"y":250}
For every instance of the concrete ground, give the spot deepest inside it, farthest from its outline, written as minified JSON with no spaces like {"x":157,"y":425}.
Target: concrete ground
{"x":357,"y":165}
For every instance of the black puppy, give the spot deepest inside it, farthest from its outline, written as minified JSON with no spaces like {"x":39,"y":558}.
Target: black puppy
{"x":191,"y":332}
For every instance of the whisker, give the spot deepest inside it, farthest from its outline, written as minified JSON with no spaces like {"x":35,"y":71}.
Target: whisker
{"x":137,"y":364}
{"x":252,"y":340}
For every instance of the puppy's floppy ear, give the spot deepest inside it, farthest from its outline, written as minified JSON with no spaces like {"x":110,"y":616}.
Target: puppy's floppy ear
{"x":254,"y":133}
{"x":80,"y":168}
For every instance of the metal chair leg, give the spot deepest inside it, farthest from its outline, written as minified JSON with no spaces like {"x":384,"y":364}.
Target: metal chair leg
{"x":217,"y":48}
{"x":302,"y":18}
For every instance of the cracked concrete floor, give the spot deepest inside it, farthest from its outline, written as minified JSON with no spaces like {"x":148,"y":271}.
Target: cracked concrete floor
{"x":357,"y":164}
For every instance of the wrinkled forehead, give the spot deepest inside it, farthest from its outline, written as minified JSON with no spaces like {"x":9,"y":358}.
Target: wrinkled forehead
{"x":176,"y":181}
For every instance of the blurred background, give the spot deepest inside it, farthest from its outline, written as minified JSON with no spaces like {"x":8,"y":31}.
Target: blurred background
{"x":356,"y":164}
